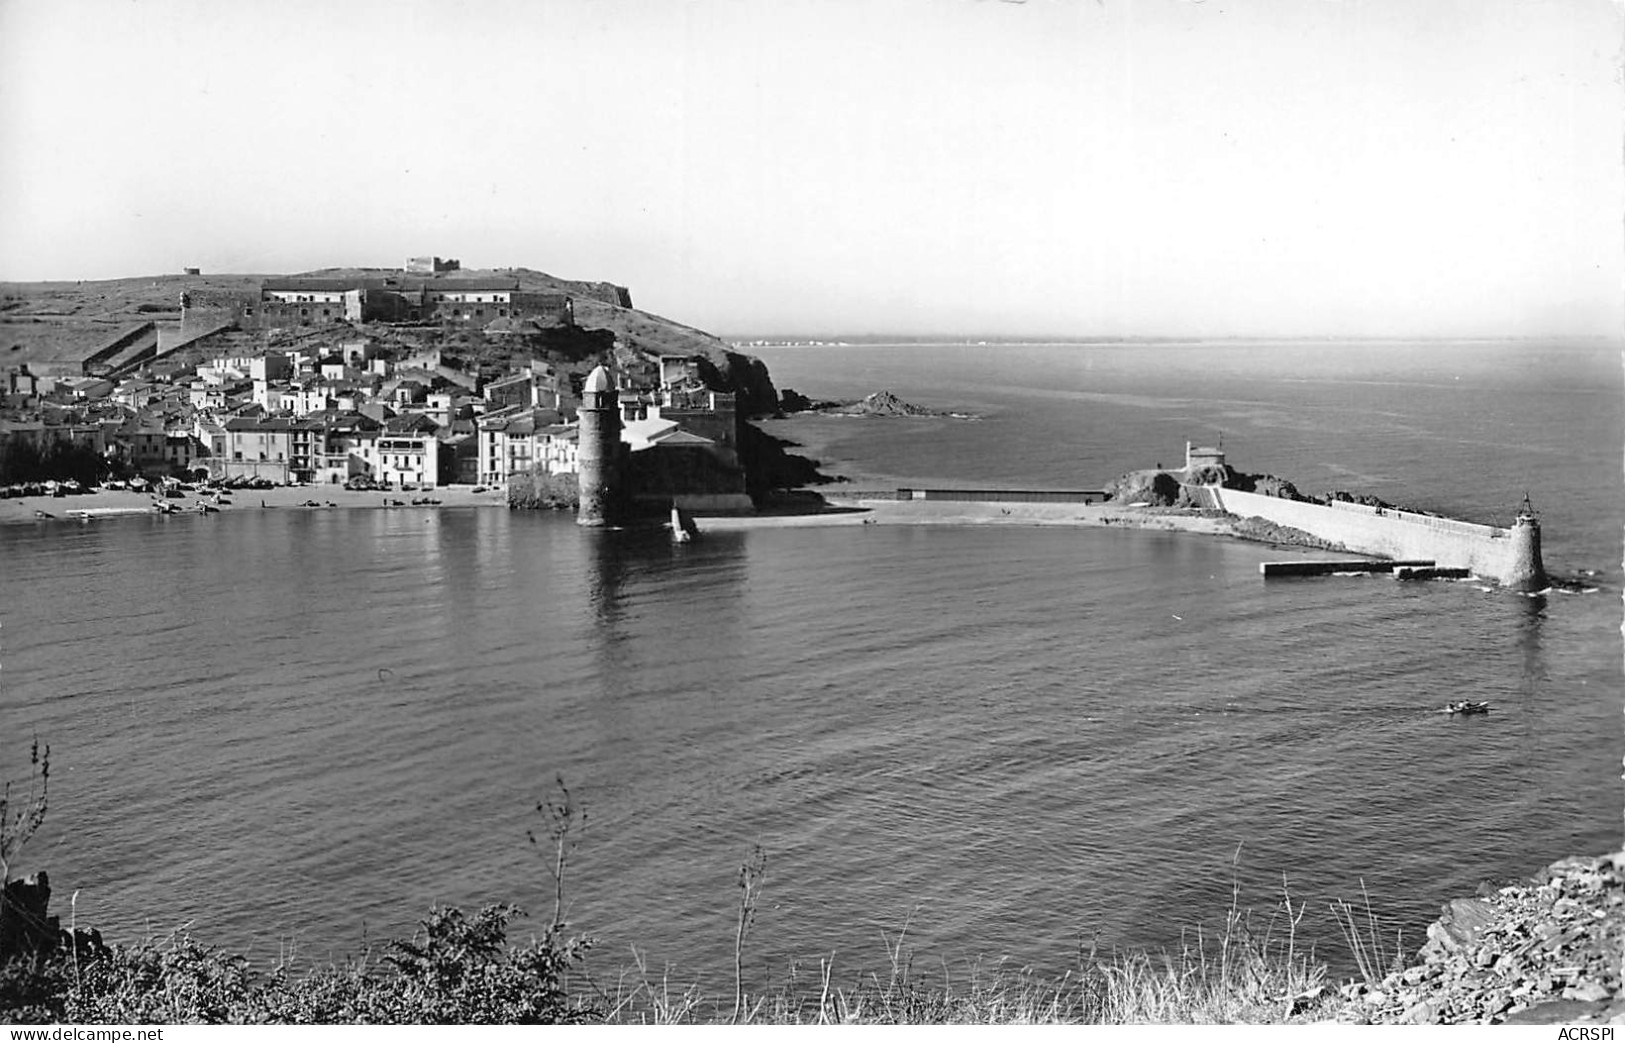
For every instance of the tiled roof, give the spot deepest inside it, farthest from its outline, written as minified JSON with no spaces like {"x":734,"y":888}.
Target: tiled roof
{"x":682,"y":438}
{"x":519,"y":421}
{"x":646,"y":430}
{"x":334,"y":420}
{"x":410,"y":423}
{"x":240,"y":423}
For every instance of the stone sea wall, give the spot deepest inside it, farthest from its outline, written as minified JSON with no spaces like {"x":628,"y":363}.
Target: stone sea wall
{"x":1485,"y":550}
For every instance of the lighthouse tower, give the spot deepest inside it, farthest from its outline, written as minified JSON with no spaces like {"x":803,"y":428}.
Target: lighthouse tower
{"x":1525,"y":570}
{"x":599,"y":454}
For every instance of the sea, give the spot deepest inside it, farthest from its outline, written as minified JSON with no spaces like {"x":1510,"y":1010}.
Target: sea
{"x":290,"y":733}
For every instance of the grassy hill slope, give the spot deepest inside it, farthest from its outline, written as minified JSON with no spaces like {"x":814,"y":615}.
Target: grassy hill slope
{"x":42,"y":322}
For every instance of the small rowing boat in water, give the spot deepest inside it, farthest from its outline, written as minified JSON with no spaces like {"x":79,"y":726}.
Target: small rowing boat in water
{"x":1465,"y":706}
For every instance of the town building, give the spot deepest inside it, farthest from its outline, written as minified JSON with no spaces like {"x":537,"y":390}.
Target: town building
{"x":407,"y":454}
{"x":256,"y":447}
{"x":1198,"y":456}
{"x":516,"y":440}
{"x":349,"y":446}
{"x":20,"y":381}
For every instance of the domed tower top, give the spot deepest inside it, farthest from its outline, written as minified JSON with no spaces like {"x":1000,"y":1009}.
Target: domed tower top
{"x":599,"y":391}
{"x":599,"y":380}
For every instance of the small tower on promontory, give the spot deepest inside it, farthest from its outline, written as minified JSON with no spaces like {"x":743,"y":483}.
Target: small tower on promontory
{"x":599,"y":451}
{"x":1526,"y":571}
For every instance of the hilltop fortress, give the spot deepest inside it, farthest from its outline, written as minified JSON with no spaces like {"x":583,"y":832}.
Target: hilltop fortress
{"x":379,"y":297}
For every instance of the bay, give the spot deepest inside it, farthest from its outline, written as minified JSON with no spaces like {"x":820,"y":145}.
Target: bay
{"x":298,"y":729}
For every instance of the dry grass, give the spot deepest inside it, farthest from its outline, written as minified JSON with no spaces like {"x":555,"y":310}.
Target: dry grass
{"x":1365,"y":941}
{"x":1248,"y":973}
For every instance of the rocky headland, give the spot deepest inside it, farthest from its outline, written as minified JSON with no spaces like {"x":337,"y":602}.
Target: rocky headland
{"x":1177,"y":487}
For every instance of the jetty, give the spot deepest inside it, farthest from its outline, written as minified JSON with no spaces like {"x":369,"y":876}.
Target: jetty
{"x":1402,"y":570}
{"x":1322,"y":567}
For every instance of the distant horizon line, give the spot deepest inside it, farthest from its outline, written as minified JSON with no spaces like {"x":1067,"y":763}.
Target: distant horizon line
{"x":857,"y":339}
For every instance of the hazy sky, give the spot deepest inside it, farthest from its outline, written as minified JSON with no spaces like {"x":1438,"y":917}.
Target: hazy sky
{"x":1084,"y":167}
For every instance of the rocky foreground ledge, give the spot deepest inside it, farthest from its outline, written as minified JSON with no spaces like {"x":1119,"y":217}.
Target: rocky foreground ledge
{"x":1545,"y":951}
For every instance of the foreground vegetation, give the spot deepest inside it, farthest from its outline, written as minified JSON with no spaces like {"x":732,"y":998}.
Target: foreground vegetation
{"x":460,"y":968}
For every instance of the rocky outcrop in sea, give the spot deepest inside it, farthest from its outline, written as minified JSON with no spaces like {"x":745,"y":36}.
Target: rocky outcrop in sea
{"x":885,"y":403}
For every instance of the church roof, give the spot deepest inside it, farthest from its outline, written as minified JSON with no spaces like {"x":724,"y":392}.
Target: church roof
{"x":682,"y":438}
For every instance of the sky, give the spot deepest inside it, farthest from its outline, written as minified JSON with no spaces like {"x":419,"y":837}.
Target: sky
{"x":1336,"y":168}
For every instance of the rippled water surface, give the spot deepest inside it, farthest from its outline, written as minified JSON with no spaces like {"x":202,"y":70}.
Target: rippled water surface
{"x":288,"y":726}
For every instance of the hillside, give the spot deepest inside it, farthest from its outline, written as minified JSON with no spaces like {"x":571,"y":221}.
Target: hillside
{"x":57,"y":324}
{"x":41,"y":322}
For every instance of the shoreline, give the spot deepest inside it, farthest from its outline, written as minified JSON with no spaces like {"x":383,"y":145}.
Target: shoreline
{"x":105,"y":504}
{"x":837,"y":509}
{"x":859,"y":510}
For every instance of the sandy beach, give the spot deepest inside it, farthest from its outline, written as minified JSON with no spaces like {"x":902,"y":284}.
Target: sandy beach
{"x":112,"y":504}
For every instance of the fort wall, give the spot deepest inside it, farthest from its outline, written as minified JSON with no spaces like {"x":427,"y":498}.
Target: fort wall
{"x":546,"y":309}
{"x":211,"y":307}
{"x":1483,"y":549}
{"x":130,"y":343}
{"x":173,"y":338}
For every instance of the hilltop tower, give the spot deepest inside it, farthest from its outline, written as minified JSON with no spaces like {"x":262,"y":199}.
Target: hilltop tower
{"x":599,"y":450}
{"x":1525,"y":570}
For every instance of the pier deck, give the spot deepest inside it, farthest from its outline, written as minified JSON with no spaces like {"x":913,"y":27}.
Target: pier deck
{"x":1328,"y":568}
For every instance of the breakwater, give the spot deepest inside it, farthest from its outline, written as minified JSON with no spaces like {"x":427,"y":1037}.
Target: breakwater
{"x":1508,"y":556}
